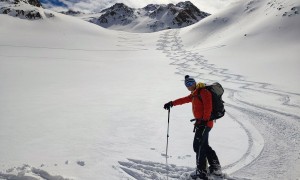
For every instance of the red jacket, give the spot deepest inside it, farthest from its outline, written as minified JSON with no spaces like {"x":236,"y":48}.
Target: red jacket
{"x":201,"y":108}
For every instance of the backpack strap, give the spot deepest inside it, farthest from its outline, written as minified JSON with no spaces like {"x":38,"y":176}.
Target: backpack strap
{"x":199,"y":95}
{"x":200,"y":98}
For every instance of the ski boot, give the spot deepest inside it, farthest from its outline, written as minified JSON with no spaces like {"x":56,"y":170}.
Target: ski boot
{"x":215,"y":170}
{"x":200,"y":174}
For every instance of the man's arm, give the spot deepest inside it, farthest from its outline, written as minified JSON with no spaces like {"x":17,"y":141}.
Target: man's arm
{"x":183,"y":100}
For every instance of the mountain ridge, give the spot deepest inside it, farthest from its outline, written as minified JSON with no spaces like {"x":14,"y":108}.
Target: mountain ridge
{"x":151,"y":18}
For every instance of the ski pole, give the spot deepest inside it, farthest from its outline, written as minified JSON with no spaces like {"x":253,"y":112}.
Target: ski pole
{"x":167,"y":144}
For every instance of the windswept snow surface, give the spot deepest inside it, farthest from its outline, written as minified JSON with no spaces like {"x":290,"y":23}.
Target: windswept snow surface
{"x":82,"y":102}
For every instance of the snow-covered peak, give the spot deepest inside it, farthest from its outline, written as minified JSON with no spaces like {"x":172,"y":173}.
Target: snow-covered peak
{"x":187,"y":5}
{"x":120,"y":7}
{"x":151,"y":7}
{"x":151,"y":18}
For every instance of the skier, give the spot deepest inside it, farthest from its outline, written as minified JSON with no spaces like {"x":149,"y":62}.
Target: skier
{"x":201,"y":100}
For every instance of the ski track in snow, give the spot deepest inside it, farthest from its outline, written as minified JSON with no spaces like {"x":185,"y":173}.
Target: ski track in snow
{"x":273,"y":136}
{"x":131,"y":40}
{"x":144,"y":170}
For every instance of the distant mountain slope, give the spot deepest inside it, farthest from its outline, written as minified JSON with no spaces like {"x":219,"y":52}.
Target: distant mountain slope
{"x":151,"y":18}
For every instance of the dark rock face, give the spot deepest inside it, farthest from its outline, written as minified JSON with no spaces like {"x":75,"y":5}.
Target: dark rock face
{"x":23,"y":14}
{"x":35,"y":3}
{"x":72,"y":12}
{"x":31,"y":2}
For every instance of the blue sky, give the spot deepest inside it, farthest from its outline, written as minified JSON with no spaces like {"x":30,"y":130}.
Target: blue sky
{"x":210,"y":6}
{"x":54,"y":3}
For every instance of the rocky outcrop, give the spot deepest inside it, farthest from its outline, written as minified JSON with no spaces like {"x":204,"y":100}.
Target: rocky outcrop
{"x":24,"y":9}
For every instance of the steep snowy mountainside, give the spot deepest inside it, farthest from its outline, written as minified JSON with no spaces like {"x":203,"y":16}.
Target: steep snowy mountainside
{"x":248,"y":18}
{"x":248,"y":27}
{"x":151,"y":18}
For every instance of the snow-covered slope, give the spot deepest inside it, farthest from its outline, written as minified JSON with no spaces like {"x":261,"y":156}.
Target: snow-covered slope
{"x":152,"y":18}
{"x":82,"y":102}
{"x":268,"y":27}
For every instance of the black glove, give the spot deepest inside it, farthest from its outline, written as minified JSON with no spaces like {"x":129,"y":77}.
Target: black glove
{"x":168,"y":105}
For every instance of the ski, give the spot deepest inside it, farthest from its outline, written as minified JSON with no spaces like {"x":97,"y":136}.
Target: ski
{"x":223,"y":176}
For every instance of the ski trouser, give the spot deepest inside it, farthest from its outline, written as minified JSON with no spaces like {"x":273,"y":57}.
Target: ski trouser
{"x":203,"y":150}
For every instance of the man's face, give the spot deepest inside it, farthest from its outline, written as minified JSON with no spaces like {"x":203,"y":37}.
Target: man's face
{"x":192,"y":88}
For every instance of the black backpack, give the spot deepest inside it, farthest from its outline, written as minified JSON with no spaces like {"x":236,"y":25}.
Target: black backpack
{"x":216,"y":91}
